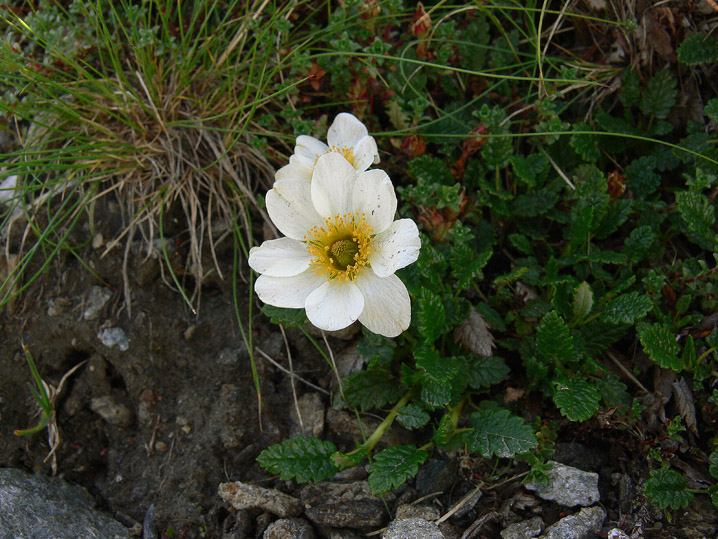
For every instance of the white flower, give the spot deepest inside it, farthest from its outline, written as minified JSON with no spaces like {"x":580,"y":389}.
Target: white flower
{"x":341,"y":251}
{"x":347,"y":136}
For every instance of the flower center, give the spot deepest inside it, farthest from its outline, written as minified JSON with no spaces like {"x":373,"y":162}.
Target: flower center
{"x":346,"y":151}
{"x":341,"y":247}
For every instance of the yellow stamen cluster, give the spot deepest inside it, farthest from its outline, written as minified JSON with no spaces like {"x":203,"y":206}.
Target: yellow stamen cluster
{"x":340,"y":248}
{"x":346,"y":151}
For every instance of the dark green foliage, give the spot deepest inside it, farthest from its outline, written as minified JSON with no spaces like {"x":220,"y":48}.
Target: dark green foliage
{"x":287,"y":317}
{"x":391,"y":467}
{"x":667,"y":488}
{"x":498,"y":433}
{"x":300,"y":458}
{"x":371,"y":388}
{"x":577,"y":399}
{"x":698,"y":49}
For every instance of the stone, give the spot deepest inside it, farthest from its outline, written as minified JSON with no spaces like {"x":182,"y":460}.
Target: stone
{"x":289,"y":528}
{"x":112,"y":410}
{"x":523,"y":530}
{"x":35,"y":506}
{"x":467,"y":503}
{"x":112,"y":337}
{"x":416,"y":528}
{"x":579,"y":456}
{"x":426,"y":512}
{"x":329,"y":492}
{"x":311,"y":410}
{"x":583,"y":525}
{"x":57,"y":306}
{"x":243,"y":496}
{"x":357,"y":514}
{"x":436,"y":475}
{"x":97,"y":298}
{"x":568,"y":486}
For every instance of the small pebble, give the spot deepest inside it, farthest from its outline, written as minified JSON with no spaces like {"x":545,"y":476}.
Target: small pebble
{"x":161,"y":446}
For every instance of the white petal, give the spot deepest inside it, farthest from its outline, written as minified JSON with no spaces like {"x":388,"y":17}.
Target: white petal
{"x":374,"y":197}
{"x":295,"y":170}
{"x":395,"y":248}
{"x":332,"y":185}
{"x":308,"y":149}
{"x":346,"y":130}
{"x":283,"y":257}
{"x":287,"y":292}
{"x":387,"y":308}
{"x":289,"y":204}
{"x":334,"y":306}
{"x":366,"y":154}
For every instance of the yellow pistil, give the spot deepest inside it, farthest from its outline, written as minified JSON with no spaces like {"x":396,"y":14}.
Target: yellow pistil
{"x":340,"y":248}
{"x":346,"y":151}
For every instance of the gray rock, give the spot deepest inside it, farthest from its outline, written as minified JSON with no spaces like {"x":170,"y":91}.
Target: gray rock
{"x":523,"y":530}
{"x":468,"y":502}
{"x":416,"y":528}
{"x":329,"y":492}
{"x":97,"y":298}
{"x":568,"y":486}
{"x":583,"y":525}
{"x":579,"y":456}
{"x":57,"y":306}
{"x":312,"y":414}
{"x":39,"y":507}
{"x":436,"y":475}
{"x":357,"y":514}
{"x":112,"y":410}
{"x":112,"y":337}
{"x":426,"y":512}
{"x":242,"y":496}
{"x":289,"y":528}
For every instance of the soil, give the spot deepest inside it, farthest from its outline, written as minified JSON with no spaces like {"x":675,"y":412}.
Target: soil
{"x":167,"y":420}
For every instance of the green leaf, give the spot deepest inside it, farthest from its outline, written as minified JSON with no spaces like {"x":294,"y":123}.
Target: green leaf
{"x":598,"y":337}
{"x":660,"y":94}
{"x":536,"y":203}
{"x":289,"y":318}
{"x":698,"y":49}
{"x":638,"y":243}
{"x":711,"y":109}
{"x":660,"y":345}
{"x":630,"y":91}
{"x":582,"y":301}
{"x":486,"y":371}
{"x":613,"y":391}
{"x":435,"y":393}
{"x":713,"y":462}
{"x":554,"y":339}
{"x":466,"y":265}
{"x":376,"y":349}
{"x":445,"y":431}
{"x":428,"y":170}
{"x":431,"y":315}
{"x":527,"y":168}
{"x":497,"y":432}
{"x":626,"y":308}
{"x":577,"y":399}
{"x":586,"y":146}
{"x":412,"y":416}
{"x":496,"y":151}
{"x":300,"y":458}
{"x":698,"y":217}
{"x":371,"y":388}
{"x":391,"y":468}
{"x":667,"y":488}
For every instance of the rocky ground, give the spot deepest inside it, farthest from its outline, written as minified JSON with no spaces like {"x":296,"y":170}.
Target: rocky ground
{"x":160,"y":427}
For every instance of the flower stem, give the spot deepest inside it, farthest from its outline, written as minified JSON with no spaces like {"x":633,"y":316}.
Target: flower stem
{"x":383,"y":426}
